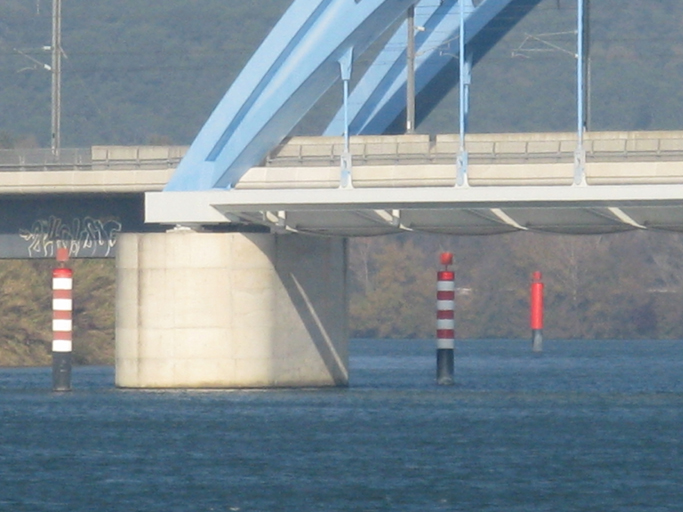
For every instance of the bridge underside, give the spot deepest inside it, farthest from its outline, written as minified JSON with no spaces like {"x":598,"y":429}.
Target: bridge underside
{"x":35,"y":225}
{"x":457,"y":211}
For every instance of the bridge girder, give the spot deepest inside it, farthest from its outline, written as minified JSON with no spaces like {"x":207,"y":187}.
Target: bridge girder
{"x":445,"y":210}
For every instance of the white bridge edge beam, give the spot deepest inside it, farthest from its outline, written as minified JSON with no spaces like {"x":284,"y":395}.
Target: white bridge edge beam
{"x":171,"y":208}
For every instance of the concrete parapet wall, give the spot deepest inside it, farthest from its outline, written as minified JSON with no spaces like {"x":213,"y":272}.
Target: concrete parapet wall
{"x":521,"y":174}
{"x":137,"y":157}
{"x":284,"y":177}
{"x":483,"y":148}
{"x":103,"y":181}
{"x":629,"y":173}
{"x":230,"y":310}
{"x":378,"y":161}
{"x":415,"y":175}
{"x":403,"y":176}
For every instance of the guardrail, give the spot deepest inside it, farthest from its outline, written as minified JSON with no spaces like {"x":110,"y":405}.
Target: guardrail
{"x":43,"y":159}
{"x":375,"y":150}
{"x":94,"y":158}
{"x":481,"y":148}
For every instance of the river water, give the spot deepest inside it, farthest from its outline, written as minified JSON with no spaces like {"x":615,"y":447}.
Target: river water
{"x":594,"y":426}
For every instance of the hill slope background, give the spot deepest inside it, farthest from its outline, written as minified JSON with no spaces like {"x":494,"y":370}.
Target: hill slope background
{"x":151,"y":72}
{"x":139,"y":72}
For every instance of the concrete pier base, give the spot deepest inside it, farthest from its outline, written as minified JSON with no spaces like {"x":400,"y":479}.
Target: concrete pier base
{"x":230,"y":310}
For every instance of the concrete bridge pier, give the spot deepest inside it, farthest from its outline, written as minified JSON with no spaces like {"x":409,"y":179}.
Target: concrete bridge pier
{"x":230,"y":310}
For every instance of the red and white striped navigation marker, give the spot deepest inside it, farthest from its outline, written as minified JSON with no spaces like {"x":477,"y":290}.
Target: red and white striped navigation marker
{"x":62,"y":325}
{"x":445,"y":322}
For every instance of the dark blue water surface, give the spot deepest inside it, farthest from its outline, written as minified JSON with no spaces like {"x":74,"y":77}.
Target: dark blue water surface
{"x":595,"y":426}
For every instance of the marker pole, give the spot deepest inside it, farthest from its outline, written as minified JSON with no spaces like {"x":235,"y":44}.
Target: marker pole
{"x":62,"y":325}
{"x":445,"y":322}
{"x":537,"y":312}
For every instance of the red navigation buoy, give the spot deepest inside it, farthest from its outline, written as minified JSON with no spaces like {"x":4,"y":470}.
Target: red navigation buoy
{"x":536,"y":317}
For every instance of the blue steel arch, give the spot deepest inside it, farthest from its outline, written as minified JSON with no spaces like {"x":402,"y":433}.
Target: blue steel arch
{"x":379,"y":97}
{"x":297,"y":62}
{"x":291,"y":70}
{"x":378,"y":100}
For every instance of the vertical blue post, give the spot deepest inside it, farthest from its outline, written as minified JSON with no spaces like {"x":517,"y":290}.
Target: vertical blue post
{"x":586,"y":41}
{"x":467,"y":80}
{"x":410,"y":72}
{"x":346,"y":66}
{"x":346,"y":115}
{"x":461,"y":166}
{"x":579,"y":74}
{"x":580,"y":154}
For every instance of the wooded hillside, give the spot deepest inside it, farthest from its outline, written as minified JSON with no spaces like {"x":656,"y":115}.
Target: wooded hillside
{"x":26,"y":312}
{"x":625,"y":285}
{"x":621,"y":286}
{"x":140,"y":72}
{"x":151,"y":72}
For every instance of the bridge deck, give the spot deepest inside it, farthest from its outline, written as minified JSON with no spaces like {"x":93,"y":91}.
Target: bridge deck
{"x":495,"y":160}
{"x":379,"y":161}
{"x":482,"y":148}
{"x":516,"y":181}
{"x":100,"y":169}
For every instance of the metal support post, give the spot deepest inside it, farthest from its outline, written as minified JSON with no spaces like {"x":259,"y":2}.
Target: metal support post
{"x":465,"y":78}
{"x":410,"y":71}
{"x":586,"y":66}
{"x":580,"y":154}
{"x":55,"y":139}
{"x":346,"y":66}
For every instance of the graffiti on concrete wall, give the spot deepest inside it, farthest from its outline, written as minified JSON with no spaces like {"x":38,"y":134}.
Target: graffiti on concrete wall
{"x":84,"y":237}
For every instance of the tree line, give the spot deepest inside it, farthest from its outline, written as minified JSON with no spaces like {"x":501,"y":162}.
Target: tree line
{"x":618,"y":286}
{"x":26,"y":312}
{"x":151,"y":72}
